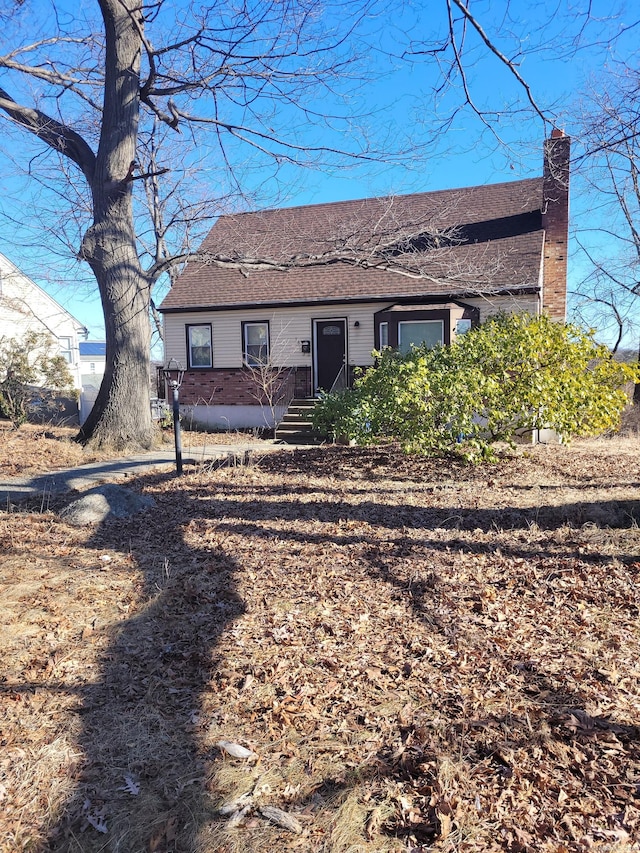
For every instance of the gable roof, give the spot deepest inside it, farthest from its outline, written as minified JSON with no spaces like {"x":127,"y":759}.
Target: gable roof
{"x":21,"y":297}
{"x":450,"y":243}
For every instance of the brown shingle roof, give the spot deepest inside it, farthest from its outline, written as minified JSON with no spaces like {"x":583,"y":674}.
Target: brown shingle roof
{"x":452,"y":242}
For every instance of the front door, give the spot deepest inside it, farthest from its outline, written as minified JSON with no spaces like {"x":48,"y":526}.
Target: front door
{"x":330,"y":339}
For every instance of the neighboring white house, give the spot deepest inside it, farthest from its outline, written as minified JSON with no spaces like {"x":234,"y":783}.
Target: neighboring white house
{"x":26,"y":307}
{"x":93,"y":359}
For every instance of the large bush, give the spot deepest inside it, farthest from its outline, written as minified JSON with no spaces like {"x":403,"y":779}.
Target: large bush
{"x":24,"y":363}
{"x":512,"y":374}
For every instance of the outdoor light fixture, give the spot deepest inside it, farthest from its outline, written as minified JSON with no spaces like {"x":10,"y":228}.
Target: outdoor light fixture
{"x":174,"y":374}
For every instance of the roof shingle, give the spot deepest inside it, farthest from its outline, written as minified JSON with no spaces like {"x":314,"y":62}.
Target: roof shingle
{"x":484,"y":239}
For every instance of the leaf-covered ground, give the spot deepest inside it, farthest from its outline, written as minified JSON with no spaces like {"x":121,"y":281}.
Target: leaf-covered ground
{"x":416,"y":655}
{"x":39,"y":448}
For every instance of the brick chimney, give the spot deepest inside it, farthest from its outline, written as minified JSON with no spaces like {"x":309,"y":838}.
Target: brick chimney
{"x":555,"y":222}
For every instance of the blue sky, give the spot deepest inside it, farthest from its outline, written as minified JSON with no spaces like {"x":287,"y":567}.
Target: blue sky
{"x":400,"y":103}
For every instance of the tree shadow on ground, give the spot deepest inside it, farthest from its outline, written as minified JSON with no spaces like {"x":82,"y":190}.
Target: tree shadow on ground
{"x":397,"y":517}
{"x":139,"y":716}
{"x":510,"y":753}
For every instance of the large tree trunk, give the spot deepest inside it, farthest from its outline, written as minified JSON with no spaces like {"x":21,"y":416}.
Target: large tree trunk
{"x":121,"y":415}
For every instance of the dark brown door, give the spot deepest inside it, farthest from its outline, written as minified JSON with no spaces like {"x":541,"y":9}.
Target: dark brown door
{"x":331,"y":354}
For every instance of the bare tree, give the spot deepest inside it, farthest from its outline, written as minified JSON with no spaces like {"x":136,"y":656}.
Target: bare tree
{"x":99,"y":93}
{"x":270,"y":377}
{"x":608,"y":293}
{"x":95,"y":95}
{"x":90,"y":94}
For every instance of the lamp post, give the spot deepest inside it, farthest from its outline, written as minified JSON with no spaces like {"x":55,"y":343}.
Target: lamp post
{"x":174,"y":374}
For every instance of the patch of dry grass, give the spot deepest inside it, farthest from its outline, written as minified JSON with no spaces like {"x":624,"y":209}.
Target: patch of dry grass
{"x":422,"y":655}
{"x":36,"y":449}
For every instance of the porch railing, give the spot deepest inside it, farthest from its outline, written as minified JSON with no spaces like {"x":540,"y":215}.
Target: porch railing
{"x":340,"y":382}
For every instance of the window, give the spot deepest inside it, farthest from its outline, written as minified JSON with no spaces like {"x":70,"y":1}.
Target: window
{"x":255,"y":345}
{"x":418,"y":332}
{"x":199,"y":351}
{"x":433,"y":324}
{"x":65,"y":349}
{"x":463,"y":326}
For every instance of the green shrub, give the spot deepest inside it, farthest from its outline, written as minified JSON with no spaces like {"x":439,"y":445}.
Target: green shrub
{"x":24,"y":363}
{"x":514,"y":373}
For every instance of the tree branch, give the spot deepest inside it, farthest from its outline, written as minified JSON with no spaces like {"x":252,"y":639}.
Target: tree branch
{"x":377,"y":258}
{"x":250,"y":136}
{"x":505,"y":61}
{"x":55,"y":134}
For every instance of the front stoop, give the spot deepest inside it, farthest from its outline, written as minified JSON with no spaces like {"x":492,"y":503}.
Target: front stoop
{"x":296,"y":426}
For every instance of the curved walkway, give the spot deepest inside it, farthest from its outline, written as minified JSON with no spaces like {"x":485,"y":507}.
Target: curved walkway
{"x":13,"y":489}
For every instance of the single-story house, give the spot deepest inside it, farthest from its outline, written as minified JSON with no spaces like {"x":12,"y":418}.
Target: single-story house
{"x":26,"y":307}
{"x":304,"y":294}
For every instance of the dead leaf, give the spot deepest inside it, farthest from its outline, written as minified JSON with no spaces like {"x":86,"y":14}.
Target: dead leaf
{"x":235,"y":750}
{"x":281,"y":818}
{"x":131,"y":786}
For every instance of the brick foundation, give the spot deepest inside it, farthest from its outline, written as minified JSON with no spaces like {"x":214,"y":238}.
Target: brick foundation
{"x":238,"y":387}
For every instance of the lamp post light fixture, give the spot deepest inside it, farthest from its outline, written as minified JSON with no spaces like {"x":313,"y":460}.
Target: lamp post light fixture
{"x":174,"y":374}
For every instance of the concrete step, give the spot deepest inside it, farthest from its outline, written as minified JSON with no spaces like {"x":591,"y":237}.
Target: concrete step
{"x":296,"y":426}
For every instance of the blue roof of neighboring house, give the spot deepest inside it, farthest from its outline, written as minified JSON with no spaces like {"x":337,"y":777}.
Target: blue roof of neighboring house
{"x":98,"y":348}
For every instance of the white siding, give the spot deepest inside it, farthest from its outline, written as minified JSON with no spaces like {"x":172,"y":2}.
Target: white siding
{"x":92,"y":378}
{"x":25,"y":307}
{"x":489,"y":305}
{"x":288,"y":327}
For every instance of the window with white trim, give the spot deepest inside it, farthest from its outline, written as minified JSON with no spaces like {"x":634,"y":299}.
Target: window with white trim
{"x":199,"y":348}
{"x":65,"y":349}
{"x":383,"y":335}
{"x":255,"y":343}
